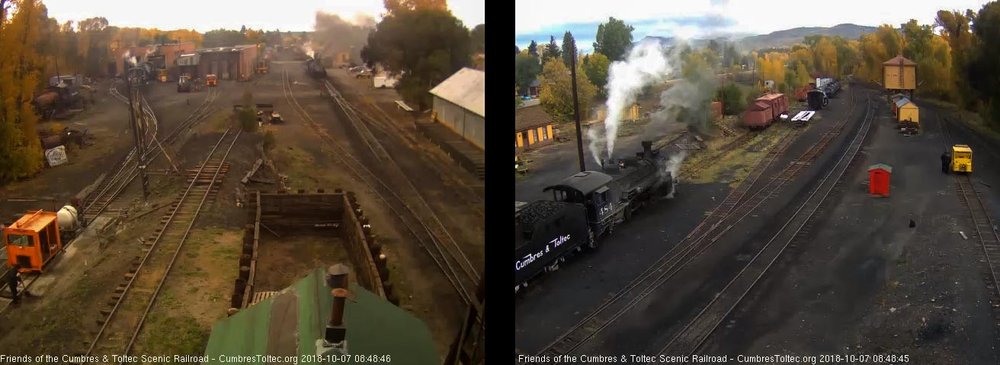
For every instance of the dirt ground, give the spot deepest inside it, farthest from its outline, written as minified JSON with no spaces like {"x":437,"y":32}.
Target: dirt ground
{"x":106,"y":120}
{"x":867,"y":283}
{"x":283,"y":260}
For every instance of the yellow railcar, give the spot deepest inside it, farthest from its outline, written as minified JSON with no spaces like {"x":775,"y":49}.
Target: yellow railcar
{"x":961,"y":158}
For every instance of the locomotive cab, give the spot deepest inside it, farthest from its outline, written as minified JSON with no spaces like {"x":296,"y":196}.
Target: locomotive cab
{"x":32,"y":241}
{"x":589,"y":188}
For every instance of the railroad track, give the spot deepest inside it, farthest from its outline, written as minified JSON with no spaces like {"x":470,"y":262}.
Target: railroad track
{"x":736,"y":206}
{"x":127,"y":169}
{"x":432,"y":237}
{"x":697,"y":330}
{"x":122,"y":322}
{"x":384,"y":123}
{"x":985,"y":228}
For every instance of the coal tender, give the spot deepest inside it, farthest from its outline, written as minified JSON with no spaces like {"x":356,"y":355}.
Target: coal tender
{"x":585,"y":208}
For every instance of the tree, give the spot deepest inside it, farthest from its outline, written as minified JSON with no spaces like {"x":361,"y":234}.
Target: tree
{"x":526,"y":70}
{"x":517,"y":50}
{"x":569,"y":48}
{"x":984,"y":63}
{"x":732,"y":99}
{"x":533,"y":49}
{"x":613,"y":39}
{"x":956,"y":29}
{"x":802,"y":77}
{"x":557,"y":91}
{"x":20,"y":148}
{"x":826,"y":57}
{"x":478,"y":37}
{"x":397,"y":6}
{"x":400,"y":43}
{"x":596,"y":68}
{"x":552,"y":49}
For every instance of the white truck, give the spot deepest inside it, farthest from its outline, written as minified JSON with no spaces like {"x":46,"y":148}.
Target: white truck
{"x":383,"y":81}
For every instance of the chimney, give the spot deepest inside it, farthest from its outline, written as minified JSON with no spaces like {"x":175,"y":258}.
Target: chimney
{"x":335,"y":336}
{"x":647,"y":149}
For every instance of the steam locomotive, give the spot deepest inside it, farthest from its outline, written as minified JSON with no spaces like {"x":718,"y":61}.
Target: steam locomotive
{"x":315,"y":68}
{"x":586,"y":207}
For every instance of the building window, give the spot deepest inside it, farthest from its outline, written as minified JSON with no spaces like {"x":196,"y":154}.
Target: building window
{"x":542,"y":135}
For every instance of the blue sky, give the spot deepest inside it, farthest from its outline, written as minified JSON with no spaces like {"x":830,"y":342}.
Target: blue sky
{"x":205,"y":15}
{"x":536,"y":20}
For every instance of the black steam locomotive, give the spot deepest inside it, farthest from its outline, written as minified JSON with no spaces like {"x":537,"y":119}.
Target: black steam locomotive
{"x":585,"y":208}
{"x":315,"y":68}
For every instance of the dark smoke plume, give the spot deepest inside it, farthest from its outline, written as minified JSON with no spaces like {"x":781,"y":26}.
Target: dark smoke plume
{"x":334,"y":35}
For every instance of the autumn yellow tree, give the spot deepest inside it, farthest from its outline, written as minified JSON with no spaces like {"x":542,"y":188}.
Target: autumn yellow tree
{"x":826,"y":58}
{"x":772,"y":67}
{"x":20,"y":148}
{"x":556,"y":96}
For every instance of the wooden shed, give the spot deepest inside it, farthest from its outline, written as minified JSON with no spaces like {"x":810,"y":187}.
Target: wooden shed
{"x":899,"y":73}
{"x":907,"y":111}
{"x":878,"y":179}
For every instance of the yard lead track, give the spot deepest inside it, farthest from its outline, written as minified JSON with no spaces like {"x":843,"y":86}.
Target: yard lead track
{"x":737,"y":205}
{"x":440,"y":233}
{"x":141,"y":288}
{"x":464,"y":283}
{"x":127,"y":170}
{"x":986,"y":231}
{"x":385,"y":124}
{"x":698,"y":329}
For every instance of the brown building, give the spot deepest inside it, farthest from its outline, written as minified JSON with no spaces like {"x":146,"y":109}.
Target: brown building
{"x":532,"y":128}
{"x":228,"y":63}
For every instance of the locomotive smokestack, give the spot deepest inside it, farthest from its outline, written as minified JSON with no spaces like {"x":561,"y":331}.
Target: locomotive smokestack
{"x":647,"y":149}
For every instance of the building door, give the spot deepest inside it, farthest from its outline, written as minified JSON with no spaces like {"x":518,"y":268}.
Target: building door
{"x":520,"y":139}
{"x":531,"y":137}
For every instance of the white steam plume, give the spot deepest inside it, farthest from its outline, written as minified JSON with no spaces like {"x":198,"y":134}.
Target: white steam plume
{"x":673,"y":166}
{"x":646,"y":64}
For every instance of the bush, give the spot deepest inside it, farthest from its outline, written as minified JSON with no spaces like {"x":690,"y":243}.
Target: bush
{"x":733,"y":101}
{"x":268,"y":141}
{"x":247,"y":117}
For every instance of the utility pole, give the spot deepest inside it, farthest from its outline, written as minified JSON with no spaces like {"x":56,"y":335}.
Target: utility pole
{"x":137,"y":130}
{"x":576,"y":113}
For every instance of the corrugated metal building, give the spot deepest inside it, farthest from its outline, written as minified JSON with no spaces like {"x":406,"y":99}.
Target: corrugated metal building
{"x":460,"y":104}
{"x":293,"y":323}
{"x":228,"y":63}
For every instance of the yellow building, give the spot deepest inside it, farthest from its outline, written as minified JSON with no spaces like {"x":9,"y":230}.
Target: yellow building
{"x":532,"y":128}
{"x":907,"y":111}
{"x":899,"y":73}
{"x":631,"y":113}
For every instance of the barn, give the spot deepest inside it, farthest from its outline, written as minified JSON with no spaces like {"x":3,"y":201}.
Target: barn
{"x":460,"y":105}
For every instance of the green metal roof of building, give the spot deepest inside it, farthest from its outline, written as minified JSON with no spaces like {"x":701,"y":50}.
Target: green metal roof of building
{"x":289,"y":324}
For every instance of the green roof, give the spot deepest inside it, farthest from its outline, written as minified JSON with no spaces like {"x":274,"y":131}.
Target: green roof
{"x":289,"y":323}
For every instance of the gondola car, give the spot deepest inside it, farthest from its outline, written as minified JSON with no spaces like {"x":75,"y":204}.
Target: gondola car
{"x":586,"y":207}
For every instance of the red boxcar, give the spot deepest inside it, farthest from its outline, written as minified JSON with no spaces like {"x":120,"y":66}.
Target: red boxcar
{"x":765,"y":110}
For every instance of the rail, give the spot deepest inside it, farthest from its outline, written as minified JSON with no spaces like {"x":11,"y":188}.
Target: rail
{"x":736,"y":206}
{"x":182,"y":209}
{"x":464,"y":284}
{"x":693,"y":335}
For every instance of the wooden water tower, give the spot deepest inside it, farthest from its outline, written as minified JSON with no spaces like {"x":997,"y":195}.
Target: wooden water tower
{"x":900,"y":75}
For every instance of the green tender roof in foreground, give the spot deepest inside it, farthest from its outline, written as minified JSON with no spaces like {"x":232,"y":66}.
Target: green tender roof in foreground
{"x":288,"y":324}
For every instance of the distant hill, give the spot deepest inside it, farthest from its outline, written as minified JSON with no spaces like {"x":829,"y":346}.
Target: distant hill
{"x":789,"y":37}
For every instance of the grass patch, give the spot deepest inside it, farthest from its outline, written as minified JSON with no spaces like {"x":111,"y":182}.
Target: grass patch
{"x":732,"y":166}
{"x":180,"y":335}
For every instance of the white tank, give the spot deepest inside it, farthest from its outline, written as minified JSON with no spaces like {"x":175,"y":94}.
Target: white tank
{"x":67,"y":218}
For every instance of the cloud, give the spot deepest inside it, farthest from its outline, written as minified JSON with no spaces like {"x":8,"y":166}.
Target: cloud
{"x":586,"y":32}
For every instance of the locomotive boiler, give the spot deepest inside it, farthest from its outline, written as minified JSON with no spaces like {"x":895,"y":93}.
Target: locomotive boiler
{"x":585,"y":208}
